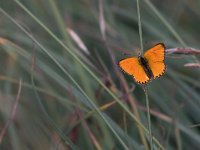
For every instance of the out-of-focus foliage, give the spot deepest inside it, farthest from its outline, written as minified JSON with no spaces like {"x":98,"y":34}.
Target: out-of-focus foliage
{"x":55,"y":109}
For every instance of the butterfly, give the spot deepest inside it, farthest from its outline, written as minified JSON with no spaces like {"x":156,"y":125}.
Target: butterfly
{"x":147,"y":67}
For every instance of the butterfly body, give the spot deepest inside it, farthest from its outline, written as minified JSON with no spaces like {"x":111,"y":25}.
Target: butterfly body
{"x":147,"y":67}
{"x":144,"y":63}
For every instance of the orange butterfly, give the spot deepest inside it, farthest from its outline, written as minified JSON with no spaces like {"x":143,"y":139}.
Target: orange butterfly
{"x":147,"y":67}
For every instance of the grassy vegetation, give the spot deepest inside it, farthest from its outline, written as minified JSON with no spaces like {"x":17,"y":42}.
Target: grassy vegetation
{"x":61,"y":87}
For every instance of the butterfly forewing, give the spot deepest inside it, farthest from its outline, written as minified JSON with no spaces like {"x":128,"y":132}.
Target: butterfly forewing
{"x":132,"y":67}
{"x":155,"y":58}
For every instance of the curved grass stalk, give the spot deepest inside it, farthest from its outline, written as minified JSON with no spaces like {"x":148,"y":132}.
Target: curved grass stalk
{"x":171,"y":29}
{"x":66,"y":140}
{"x":80,"y":62}
{"x":146,"y":95}
{"x":148,"y":116}
{"x":140,"y":27}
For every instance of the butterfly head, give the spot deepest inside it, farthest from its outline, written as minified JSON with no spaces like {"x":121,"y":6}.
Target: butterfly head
{"x":141,"y":59}
{"x":139,"y":56}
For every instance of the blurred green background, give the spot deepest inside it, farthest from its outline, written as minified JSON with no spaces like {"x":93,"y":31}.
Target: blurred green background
{"x":74,"y":96}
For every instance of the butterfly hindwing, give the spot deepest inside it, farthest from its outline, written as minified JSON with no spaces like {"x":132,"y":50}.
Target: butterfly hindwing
{"x":155,"y":57}
{"x":132,"y":67}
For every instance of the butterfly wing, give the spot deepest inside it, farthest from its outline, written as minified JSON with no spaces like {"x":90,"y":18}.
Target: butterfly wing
{"x":132,"y":67}
{"x":156,"y":59}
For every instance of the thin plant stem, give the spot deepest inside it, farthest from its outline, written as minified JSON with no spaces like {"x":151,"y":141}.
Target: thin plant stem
{"x":13,"y":113}
{"x":148,"y":117}
{"x":123,"y":83}
{"x":145,"y":88}
{"x":140,"y":26}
